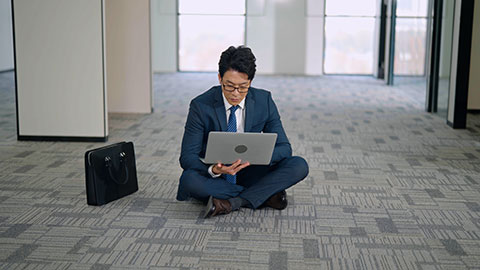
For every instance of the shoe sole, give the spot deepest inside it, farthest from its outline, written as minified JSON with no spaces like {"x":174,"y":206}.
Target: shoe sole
{"x":208,"y":207}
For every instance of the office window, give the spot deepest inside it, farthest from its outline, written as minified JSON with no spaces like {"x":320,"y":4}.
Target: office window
{"x":410,"y":37}
{"x":412,"y":8}
{"x":349,"y":36}
{"x":206,"y":28}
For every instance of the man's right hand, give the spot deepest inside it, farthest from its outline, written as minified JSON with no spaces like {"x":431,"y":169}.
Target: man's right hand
{"x":233,"y":169}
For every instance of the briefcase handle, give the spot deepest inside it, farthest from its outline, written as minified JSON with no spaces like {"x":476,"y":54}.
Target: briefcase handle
{"x":123,"y":164}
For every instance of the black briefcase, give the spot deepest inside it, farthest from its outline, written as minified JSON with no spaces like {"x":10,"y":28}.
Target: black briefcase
{"x":110,"y":173}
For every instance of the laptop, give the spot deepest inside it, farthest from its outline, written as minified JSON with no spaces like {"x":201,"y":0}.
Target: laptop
{"x":228,"y":147}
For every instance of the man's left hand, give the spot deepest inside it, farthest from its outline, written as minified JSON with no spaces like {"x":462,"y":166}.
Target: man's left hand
{"x":233,"y":169}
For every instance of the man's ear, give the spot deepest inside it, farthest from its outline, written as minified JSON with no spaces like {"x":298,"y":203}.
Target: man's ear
{"x":219,"y":78}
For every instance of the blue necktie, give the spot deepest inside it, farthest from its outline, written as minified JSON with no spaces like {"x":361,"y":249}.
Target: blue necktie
{"x":232,"y":127}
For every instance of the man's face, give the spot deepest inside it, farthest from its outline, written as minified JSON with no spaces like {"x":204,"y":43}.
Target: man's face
{"x":234,"y":86}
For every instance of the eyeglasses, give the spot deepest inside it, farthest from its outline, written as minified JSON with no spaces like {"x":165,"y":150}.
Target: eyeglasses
{"x":231,"y":88}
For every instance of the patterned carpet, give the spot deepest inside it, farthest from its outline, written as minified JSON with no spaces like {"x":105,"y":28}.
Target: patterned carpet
{"x":390,"y":187}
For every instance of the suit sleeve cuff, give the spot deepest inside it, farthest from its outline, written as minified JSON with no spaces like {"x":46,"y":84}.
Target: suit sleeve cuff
{"x":210,"y":171}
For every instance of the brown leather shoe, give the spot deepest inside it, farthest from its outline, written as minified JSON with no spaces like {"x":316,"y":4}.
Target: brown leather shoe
{"x":277,"y":201}
{"x":217,"y":207}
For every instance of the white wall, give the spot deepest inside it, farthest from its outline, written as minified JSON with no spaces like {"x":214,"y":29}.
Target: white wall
{"x":474,"y":79}
{"x":260,"y":34}
{"x":164,"y":35}
{"x":6,"y":39}
{"x":314,"y":37}
{"x":290,"y":37}
{"x":286,"y":36}
{"x":60,"y":75}
{"x":128,"y":57}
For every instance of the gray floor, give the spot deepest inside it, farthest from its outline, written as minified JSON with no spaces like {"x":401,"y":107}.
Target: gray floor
{"x":390,"y":187}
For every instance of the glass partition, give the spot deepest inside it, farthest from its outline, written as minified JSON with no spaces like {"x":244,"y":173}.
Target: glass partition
{"x":349,"y":36}
{"x":410,"y":45}
{"x":349,"y":45}
{"x":410,"y":37}
{"x":446,"y":38}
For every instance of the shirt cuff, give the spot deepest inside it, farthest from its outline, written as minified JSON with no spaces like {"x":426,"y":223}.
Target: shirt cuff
{"x":210,"y":171}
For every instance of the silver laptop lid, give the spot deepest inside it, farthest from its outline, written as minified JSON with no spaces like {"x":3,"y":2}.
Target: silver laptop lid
{"x":228,"y":147}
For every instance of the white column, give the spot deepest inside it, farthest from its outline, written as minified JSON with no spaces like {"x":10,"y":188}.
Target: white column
{"x":6,"y":39}
{"x":164,"y":35}
{"x":128,"y":56}
{"x":286,"y":36}
{"x":59,"y":58}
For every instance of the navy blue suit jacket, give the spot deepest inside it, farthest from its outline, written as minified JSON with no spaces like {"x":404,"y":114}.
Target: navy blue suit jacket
{"x":207,"y":113}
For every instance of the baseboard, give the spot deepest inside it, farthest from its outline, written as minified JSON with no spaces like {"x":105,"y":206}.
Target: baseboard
{"x":7,"y":70}
{"x":457,"y":126}
{"x":62,"y":138}
{"x":474,"y":111}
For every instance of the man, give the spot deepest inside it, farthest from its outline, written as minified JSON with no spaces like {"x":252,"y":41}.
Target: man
{"x":226,"y":188}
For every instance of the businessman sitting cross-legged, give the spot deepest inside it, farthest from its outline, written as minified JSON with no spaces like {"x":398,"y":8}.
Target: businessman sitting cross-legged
{"x":235,"y":106}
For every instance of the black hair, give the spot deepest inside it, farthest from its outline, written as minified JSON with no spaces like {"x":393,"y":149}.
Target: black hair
{"x":240,"y":59}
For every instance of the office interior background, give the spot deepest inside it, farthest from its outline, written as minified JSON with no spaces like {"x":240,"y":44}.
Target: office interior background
{"x":380,"y":97}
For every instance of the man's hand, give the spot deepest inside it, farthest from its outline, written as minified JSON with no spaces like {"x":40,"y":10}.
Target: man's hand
{"x":233,"y":169}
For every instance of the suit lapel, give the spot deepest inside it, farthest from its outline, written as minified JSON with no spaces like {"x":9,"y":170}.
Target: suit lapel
{"x":249,"y":111}
{"x":220,"y":110}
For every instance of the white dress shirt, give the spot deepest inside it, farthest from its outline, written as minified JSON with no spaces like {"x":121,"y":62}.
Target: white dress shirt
{"x":240,"y":115}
